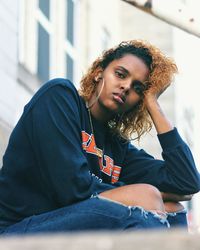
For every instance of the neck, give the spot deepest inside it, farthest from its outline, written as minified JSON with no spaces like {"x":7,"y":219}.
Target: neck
{"x":100,"y":115}
{"x":99,"y":112}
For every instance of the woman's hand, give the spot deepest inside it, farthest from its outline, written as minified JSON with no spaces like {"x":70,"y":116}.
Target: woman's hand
{"x":153,"y":93}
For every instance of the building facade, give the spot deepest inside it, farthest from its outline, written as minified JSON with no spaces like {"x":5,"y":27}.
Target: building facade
{"x":8,"y":68}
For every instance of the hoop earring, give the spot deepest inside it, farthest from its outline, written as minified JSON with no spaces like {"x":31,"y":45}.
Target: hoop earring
{"x":97,"y":97}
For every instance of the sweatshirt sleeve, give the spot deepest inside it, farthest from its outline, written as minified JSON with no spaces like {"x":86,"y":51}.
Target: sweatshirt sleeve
{"x":176,"y":173}
{"x":57,"y":145}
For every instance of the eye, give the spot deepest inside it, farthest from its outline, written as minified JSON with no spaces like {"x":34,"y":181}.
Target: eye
{"x":138,"y":87}
{"x":120,"y":74}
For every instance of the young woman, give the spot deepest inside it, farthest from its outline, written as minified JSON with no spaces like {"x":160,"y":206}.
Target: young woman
{"x":69,"y":164}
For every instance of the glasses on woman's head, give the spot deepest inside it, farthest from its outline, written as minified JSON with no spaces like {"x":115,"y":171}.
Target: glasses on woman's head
{"x":139,"y":87}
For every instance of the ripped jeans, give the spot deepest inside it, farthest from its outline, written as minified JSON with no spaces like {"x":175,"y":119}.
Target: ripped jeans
{"x":96,"y":213}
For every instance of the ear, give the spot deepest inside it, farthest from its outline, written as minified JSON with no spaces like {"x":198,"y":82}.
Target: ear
{"x":98,"y":77}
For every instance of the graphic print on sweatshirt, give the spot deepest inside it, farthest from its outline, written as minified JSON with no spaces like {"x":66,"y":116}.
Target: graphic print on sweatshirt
{"x":108,"y":168}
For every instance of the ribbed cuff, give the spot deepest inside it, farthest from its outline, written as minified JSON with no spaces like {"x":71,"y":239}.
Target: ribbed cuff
{"x":170,"y":139}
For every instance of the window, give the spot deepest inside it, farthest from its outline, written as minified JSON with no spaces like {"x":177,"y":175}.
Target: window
{"x":43,"y":53}
{"x":44,"y":40}
{"x":44,"y":6}
{"x":70,"y":21}
{"x":69,"y":67}
{"x":105,"y":38}
{"x":70,"y":45}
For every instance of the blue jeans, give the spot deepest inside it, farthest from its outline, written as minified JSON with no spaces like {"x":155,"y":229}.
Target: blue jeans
{"x":95,"y":214}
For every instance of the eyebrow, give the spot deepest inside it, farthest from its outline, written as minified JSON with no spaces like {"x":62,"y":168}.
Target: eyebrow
{"x":127,"y":72}
{"x":124,"y":69}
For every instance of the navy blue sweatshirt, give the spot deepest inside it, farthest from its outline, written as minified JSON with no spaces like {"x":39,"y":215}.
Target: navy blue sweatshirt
{"x":51,"y":160}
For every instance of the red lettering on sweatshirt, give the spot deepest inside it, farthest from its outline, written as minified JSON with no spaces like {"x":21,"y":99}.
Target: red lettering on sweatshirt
{"x":108,"y":168}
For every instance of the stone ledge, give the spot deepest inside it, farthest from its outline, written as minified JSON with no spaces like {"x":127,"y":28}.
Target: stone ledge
{"x":106,"y":240}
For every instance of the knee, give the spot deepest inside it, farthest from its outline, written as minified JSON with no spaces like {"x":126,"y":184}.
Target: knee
{"x":151,"y":190}
{"x":144,"y":195}
{"x":148,"y":197}
{"x":148,"y":190}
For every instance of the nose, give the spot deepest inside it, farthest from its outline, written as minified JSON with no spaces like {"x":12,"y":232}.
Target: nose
{"x":125,"y":86}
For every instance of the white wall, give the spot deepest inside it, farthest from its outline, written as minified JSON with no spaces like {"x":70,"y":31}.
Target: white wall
{"x":12,"y":95}
{"x":8,"y":59}
{"x":8,"y":68}
{"x":187,"y":54}
{"x":95,"y":17}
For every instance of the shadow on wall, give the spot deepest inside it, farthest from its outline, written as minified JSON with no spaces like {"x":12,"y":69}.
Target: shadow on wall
{"x":4,"y":136}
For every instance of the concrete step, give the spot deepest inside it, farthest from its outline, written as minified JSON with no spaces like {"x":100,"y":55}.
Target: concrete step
{"x":106,"y":240}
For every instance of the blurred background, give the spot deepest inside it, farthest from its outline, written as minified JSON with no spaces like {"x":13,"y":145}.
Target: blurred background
{"x":43,"y":39}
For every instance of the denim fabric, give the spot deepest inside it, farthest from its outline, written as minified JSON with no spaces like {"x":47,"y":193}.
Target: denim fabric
{"x":93,"y":214}
{"x":178,"y":219}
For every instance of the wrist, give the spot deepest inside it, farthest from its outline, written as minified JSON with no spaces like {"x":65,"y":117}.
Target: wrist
{"x":151,"y":103}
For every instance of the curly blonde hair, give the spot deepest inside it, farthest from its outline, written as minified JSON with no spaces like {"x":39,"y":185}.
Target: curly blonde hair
{"x":161,"y":74}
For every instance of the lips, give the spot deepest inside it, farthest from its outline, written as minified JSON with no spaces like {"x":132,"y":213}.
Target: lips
{"x":120,"y":98}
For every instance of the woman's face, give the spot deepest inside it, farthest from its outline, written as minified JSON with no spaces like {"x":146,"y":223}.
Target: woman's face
{"x":118,"y":94}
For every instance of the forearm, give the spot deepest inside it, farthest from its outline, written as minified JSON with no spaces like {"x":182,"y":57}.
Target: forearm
{"x":175,"y":197}
{"x":161,"y":123}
